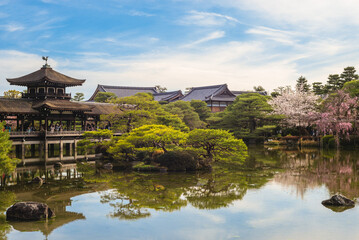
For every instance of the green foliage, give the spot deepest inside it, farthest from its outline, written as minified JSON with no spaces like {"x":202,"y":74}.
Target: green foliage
{"x":179,"y":160}
{"x":155,"y":136}
{"x":145,"y":140}
{"x":99,"y":134}
{"x":217,"y":144}
{"x":328,"y":141}
{"x":7,"y":198}
{"x":186,"y":113}
{"x":336,"y":82}
{"x":258,"y":89}
{"x":348,"y":75}
{"x":302,"y":83}
{"x":78,"y":97}
{"x":105,"y":97}
{"x":12,"y":94}
{"x":201,"y":109}
{"x":94,"y":139}
{"x":318,"y":88}
{"x":352,"y":88}
{"x":248,"y":117}
{"x":7,"y":164}
{"x":139,"y":110}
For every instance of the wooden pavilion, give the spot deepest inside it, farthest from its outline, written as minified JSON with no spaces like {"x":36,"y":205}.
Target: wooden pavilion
{"x":46,"y":102}
{"x":44,"y":124}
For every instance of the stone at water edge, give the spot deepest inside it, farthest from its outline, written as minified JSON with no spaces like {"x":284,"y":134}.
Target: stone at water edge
{"x":29,"y":211}
{"x":338,"y":200}
{"x":37,"y":180}
{"x":107,"y":166}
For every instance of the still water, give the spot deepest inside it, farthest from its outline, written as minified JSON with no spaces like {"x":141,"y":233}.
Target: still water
{"x":276,"y":194}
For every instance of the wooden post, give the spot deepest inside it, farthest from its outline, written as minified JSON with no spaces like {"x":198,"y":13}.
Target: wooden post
{"x":46,"y":152}
{"x":75,"y":149}
{"x":23,"y":152}
{"x":61,"y":150}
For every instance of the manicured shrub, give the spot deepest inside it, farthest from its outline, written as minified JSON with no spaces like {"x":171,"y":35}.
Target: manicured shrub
{"x":178,"y":160}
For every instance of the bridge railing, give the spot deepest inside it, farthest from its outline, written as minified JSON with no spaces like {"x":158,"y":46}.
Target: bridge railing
{"x":51,"y":133}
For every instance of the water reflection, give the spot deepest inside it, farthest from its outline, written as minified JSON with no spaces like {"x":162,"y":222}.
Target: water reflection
{"x":254,"y":189}
{"x":311,"y":168}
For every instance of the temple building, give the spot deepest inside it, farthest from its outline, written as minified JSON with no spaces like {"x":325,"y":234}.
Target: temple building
{"x":217,"y":97}
{"x":125,"y":91}
{"x":45,"y":119}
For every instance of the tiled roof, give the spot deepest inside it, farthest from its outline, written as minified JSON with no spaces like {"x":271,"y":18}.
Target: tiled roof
{"x":241,"y":92}
{"x":22,"y":106}
{"x":62,"y":105}
{"x":48,"y":74}
{"x":168,"y":96}
{"x":208,"y":93}
{"x":122,"y":91}
{"x":102,"y":108}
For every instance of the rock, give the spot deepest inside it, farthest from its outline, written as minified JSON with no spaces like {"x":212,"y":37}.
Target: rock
{"x":108,"y":166}
{"x":29,"y":211}
{"x":37,"y":180}
{"x":338,"y":200}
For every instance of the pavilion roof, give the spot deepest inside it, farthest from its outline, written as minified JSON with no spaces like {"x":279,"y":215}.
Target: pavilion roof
{"x":46,"y":73}
{"x":102,"y":108}
{"x":62,"y":105}
{"x":16,"y":106}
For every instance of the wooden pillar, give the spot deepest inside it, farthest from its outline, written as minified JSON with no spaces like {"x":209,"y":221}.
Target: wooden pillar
{"x":75,"y":149}
{"x":61,"y":150}
{"x":23,"y":152}
{"x":70,"y":149}
{"x":46,"y":125}
{"x":46,"y":151}
{"x":22,"y":124}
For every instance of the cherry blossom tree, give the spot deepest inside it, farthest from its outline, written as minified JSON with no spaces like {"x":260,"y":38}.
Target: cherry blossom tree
{"x":296,"y":106}
{"x":338,"y":115}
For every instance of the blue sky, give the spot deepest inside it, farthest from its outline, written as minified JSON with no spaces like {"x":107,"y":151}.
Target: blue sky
{"x":179,"y":43}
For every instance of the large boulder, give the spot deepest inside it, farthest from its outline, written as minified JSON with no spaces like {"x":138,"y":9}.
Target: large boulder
{"x":338,"y":200}
{"x":29,"y":211}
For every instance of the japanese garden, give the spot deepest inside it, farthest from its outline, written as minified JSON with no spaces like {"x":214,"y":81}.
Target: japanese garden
{"x":179,"y":120}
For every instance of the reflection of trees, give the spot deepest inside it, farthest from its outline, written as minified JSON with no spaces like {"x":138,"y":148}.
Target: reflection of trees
{"x":217,"y":190}
{"x":125,"y":209}
{"x":310,"y":169}
{"x":136,"y":193}
{"x":6,"y":200}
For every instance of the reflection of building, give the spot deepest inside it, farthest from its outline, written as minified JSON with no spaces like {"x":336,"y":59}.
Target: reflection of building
{"x":57,"y":193}
{"x":44,"y":119}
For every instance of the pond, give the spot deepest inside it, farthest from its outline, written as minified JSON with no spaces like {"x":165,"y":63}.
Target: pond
{"x":276,"y":194}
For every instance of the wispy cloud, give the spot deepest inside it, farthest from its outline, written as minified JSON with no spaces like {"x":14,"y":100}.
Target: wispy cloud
{"x":12,"y":27}
{"x":140,"y":13}
{"x":285,"y":37}
{"x":206,"y":19}
{"x":209,"y":37}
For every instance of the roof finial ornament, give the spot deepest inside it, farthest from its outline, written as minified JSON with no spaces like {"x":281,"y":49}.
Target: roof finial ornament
{"x":45,"y":59}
